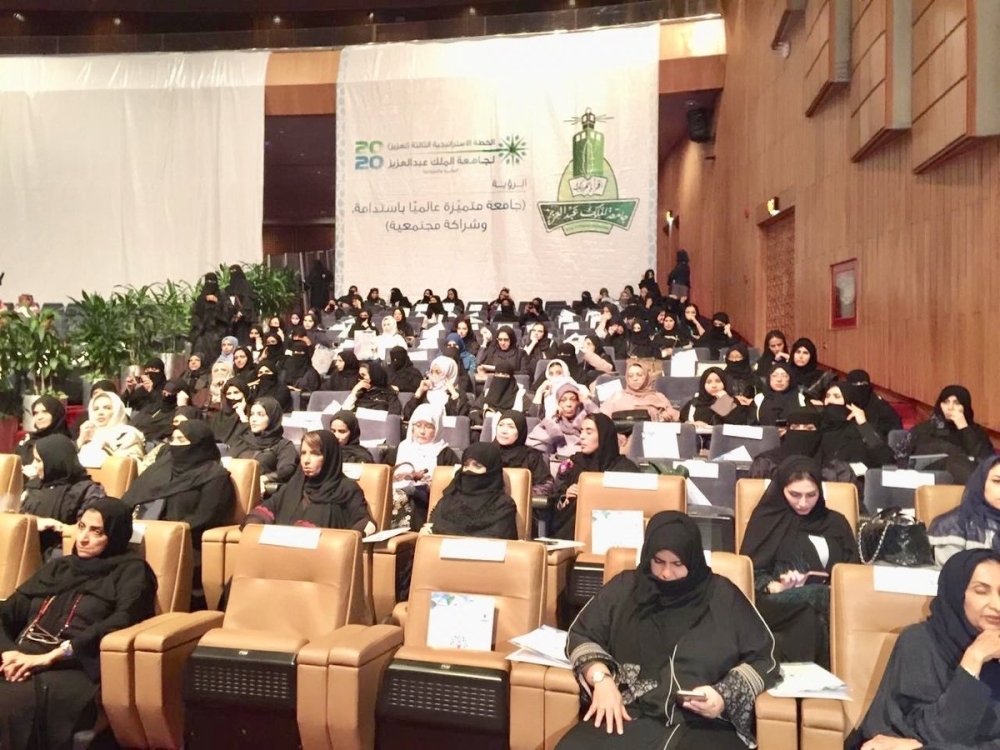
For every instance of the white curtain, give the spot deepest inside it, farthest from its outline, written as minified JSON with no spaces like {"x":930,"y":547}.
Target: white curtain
{"x":128,"y":169}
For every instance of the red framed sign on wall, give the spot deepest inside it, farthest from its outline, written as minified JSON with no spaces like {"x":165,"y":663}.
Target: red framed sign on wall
{"x":844,"y":294}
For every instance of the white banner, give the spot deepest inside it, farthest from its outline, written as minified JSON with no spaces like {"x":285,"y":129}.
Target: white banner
{"x":128,"y":169}
{"x":527,"y":162}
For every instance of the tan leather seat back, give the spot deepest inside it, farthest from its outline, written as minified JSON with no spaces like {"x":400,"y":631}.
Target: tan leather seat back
{"x":245,"y":473}
{"x":935,"y":500}
{"x":20,"y":552}
{"x":517,"y":585}
{"x":297,"y":592}
{"x":737,"y":568}
{"x":516,"y":482}
{"x":864,"y":625}
{"x":840,"y":496}
{"x":167,"y":548}
{"x":115,"y":475}
{"x":11,"y":480}
{"x":375,"y":481}
{"x":670,"y":494}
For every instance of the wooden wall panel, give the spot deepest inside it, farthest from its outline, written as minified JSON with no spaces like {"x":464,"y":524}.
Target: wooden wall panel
{"x":926,"y":244}
{"x":828,"y":50}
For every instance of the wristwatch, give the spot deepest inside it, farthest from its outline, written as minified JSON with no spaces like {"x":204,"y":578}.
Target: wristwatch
{"x":67,"y":649}
{"x":599,"y":677}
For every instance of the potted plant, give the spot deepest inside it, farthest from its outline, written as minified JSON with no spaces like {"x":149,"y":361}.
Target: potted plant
{"x":172,"y":302}
{"x":96,"y":335}
{"x":276,"y":288}
{"x":32,"y":356}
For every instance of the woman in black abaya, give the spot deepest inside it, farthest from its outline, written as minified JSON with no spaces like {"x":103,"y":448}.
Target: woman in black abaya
{"x":52,"y":628}
{"x":669,"y":625}
{"x":476,"y":502}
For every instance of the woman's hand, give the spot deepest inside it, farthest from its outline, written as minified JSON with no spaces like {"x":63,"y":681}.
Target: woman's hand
{"x":607,"y":705}
{"x":883,"y":742}
{"x":427,"y":529}
{"x":857,"y":414}
{"x":87,"y":430}
{"x":361,"y":385}
{"x":744,"y":401}
{"x":49,"y":524}
{"x":403,"y":476}
{"x":425,"y":385}
{"x":241,"y":411}
{"x":957,"y":416}
{"x":20,"y":666}
{"x":571,"y":492}
{"x":793,"y":579}
{"x":452,"y":391}
{"x":728,"y":330}
{"x":781,"y":357}
{"x":985,"y":648}
{"x":711,"y":707}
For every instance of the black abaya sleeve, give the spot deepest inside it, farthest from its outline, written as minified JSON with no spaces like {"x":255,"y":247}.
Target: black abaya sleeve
{"x":589,"y":637}
{"x":287,"y":461}
{"x":921,"y":698}
{"x":14,"y":613}
{"x":975,"y":442}
{"x":213,"y":507}
{"x":356,"y":511}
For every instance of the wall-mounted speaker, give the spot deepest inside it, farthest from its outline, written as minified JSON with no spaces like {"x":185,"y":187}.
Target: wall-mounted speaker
{"x":699,"y":124}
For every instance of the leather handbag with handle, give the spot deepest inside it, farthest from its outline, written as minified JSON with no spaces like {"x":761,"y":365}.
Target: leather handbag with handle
{"x":895,"y":538}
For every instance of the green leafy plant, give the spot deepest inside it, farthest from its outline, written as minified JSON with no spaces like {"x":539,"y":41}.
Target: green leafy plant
{"x":95,"y":335}
{"x":32,"y":353}
{"x":276,"y":289}
{"x":172,"y":302}
{"x":139,"y":321}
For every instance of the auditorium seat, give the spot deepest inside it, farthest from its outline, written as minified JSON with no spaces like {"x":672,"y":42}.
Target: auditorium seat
{"x":390,"y":556}
{"x":723,"y":443}
{"x":436,"y":697}
{"x":115,"y":475}
{"x":840,"y":496}
{"x":581,"y":567}
{"x":879,"y":495}
{"x":864,"y":625}
{"x":220,"y":678}
{"x":687,"y":443}
{"x":220,"y":547}
{"x":166,"y":546}
{"x":11,"y":481}
{"x":777,"y":718}
{"x":933,"y":500}
{"x":20,"y":552}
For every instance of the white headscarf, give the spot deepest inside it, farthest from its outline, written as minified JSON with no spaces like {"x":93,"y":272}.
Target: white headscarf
{"x":118,"y":415}
{"x":438,"y":394}
{"x":422,"y":455}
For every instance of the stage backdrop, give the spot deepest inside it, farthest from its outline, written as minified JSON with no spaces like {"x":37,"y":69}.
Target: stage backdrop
{"x":527,"y":162}
{"x":118,"y":169}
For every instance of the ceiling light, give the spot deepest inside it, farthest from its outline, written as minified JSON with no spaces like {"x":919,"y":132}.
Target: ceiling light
{"x":276,"y":20}
{"x":19,"y":17}
{"x":116,"y":21}
{"x":371,"y":16}
{"x":472,"y":10}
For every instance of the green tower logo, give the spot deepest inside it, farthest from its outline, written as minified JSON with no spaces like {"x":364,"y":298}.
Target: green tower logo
{"x":588,"y":190}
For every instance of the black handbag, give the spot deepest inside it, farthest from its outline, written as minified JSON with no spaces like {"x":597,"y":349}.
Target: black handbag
{"x":895,"y":538}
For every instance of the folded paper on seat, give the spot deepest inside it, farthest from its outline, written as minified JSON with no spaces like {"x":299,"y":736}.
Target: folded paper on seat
{"x":462,"y":621}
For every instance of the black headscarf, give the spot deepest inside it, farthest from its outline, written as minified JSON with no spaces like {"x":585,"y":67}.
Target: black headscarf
{"x":974,"y":511}
{"x":346,"y":379}
{"x":704,"y":398}
{"x":107,"y":386}
{"x":54,"y":407}
{"x":802,"y":375}
{"x":502,"y":392}
{"x":59,"y":459}
{"x":477,"y":504}
{"x":767,"y":358}
{"x":296,"y":361}
{"x":273,"y":432}
{"x":739,"y":369}
{"x":511,"y":354}
{"x":380,"y":395}
{"x":226,"y":421}
{"x":403,"y":375}
{"x":606,"y":457}
{"x":800,"y":442}
{"x":774,"y":533}
{"x":248,"y":369}
{"x":239,"y":284}
{"x":964,"y":398}
{"x":950,"y":628}
{"x":840,"y":438}
{"x":181,"y":468}
{"x":516,"y":453}
{"x":861,"y":384}
{"x":352,"y":451}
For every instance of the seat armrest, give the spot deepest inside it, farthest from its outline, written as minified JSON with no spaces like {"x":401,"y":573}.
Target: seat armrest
{"x":122,"y":641}
{"x":523,"y":674}
{"x":394,"y":544}
{"x":824,"y":714}
{"x":561,"y":556}
{"x":399,"y":613}
{"x":769,"y":708}
{"x":177,"y":632}
{"x":351,"y":646}
{"x":218,"y":534}
{"x":561,"y":681}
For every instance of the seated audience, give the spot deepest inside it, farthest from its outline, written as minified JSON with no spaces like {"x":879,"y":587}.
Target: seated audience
{"x":48,"y":417}
{"x":801,"y":437}
{"x":598,"y":451}
{"x":670,"y":624}
{"x":106,"y":432}
{"x":389,"y":338}
{"x":806,"y":375}
{"x":452,"y":297}
{"x":343,"y":376}
{"x":794,"y":541}
{"x":952,"y":430}
{"x":780,"y":396}
{"x":209,"y":399}
{"x":845,"y":434}
{"x":439,"y":389}
{"x":502,"y":350}
{"x":639,"y":393}
{"x":538,"y":346}
{"x":268,"y":384}
{"x":318,"y":494}
{"x":413,"y":463}
{"x":880,"y":415}
{"x":403,"y":376}
{"x":346,"y":428}
{"x":941,"y":685}
{"x":372,"y":391}
{"x":265,"y":442}
{"x":596,"y":361}
{"x":467,"y":360}
{"x":560,"y":433}
{"x":155,"y":419}
{"x":714,"y":405}
{"x":741,"y":379}
{"x":60,"y":490}
{"x":775,"y":351}
{"x":510,"y":436}
{"x":196,"y":376}
{"x":476,"y":503}
{"x":463,"y":328}
{"x":975,"y":523}
{"x":502,"y":394}
{"x":694,"y":323}
{"x":231,"y":419}
{"x":51,"y":629}
{"x":299,"y":374}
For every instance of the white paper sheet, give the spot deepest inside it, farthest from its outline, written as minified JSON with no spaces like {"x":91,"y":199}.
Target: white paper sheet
{"x":623,"y":480}
{"x":447,"y":421}
{"x":694,"y":495}
{"x":545,"y":641}
{"x":616,"y":528}
{"x":808,"y":680}
{"x":702,"y":367}
{"x":906,"y":479}
{"x":859,"y":469}
{"x":304,"y":420}
{"x":898,"y":580}
{"x":138,"y":532}
{"x":573,"y":325}
{"x":684,"y":364}
{"x":460,"y":621}
{"x":381,"y":536}
{"x":737,"y":455}
{"x":606,"y":390}
{"x":530,"y":657}
{"x":372,"y":415}
{"x":700,"y":469}
{"x":659,"y":439}
{"x":554,"y":544}
{"x":487,"y":550}
{"x":373,"y":443}
{"x":353,"y":471}
{"x":419,"y":355}
{"x":747,"y":432}
{"x":297,"y":537}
